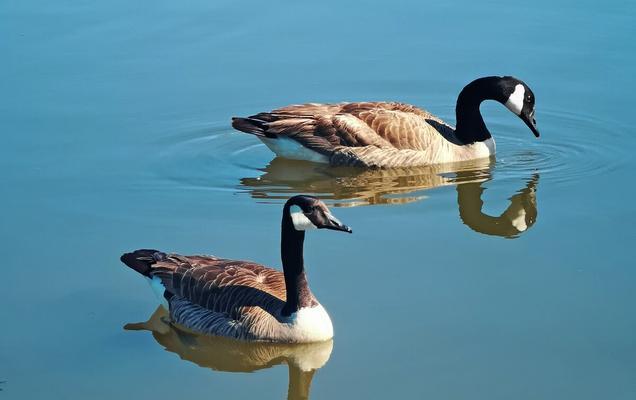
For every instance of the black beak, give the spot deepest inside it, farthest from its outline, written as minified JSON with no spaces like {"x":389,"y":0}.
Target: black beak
{"x":334,"y":224}
{"x":323,"y":219}
{"x":528,"y":118}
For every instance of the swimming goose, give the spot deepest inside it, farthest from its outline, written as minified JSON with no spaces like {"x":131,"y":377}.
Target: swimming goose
{"x":384,"y":135}
{"x":242,"y":299}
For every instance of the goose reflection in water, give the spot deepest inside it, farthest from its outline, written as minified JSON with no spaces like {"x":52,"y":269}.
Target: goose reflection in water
{"x":223,"y":354}
{"x":350,"y":187}
{"x":520,"y":215}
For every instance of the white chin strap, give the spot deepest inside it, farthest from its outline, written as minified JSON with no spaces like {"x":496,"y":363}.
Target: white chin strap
{"x":515,"y":101}
{"x":300,"y":221}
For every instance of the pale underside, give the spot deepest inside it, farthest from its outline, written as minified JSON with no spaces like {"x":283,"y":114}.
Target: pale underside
{"x":231,"y":355}
{"x":237,"y":299}
{"x":370,"y":134}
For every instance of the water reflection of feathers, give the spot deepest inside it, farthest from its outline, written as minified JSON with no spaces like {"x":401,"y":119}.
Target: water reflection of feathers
{"x":349,"y":187}
{"x":223,"y":354}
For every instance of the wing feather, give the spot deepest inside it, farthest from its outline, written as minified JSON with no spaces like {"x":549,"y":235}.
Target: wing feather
{"x":221,"y":285}
{"x":349,"y":132}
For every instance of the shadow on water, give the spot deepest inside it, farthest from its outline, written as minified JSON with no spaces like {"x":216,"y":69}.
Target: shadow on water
{"x":222,"y":354}
{"x":350,"y":187}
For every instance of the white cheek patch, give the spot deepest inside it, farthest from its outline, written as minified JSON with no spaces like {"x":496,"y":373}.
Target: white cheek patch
{"x":519,"y":222}
{"x":515,"y":101}
{"x":300,"y":221}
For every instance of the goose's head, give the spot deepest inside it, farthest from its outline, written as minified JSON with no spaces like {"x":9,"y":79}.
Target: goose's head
{"x":308,"y":212}
{"x":519,"y":99}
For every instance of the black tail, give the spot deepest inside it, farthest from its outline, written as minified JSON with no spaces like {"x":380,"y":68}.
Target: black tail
{"x":251,"y":125}
{"x":141,"y":260}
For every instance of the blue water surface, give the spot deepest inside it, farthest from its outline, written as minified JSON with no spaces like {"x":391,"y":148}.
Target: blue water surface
{"x":114,"y":120}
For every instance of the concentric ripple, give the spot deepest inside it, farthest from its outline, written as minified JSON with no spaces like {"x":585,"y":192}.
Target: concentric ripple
{"x":566,"y":151}
{"x":210,"y":157}
{"x":216,"y":158}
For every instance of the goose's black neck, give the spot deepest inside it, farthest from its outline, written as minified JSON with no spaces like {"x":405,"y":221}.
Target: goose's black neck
{"x":291,"y":251}
{"x":470,"y":124}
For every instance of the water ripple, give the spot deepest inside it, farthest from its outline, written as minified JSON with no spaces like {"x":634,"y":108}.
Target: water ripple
{"x":212,"y":156}
{"x":566,"y":153}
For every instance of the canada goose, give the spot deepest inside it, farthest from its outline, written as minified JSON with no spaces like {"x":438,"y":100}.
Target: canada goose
{"x":378,"y":134}
{"x":242,"y":299}
{"x":222,"y":354}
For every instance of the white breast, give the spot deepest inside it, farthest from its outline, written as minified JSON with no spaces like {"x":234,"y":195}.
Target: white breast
{"x":454,"y":153}
{"x":311,"y":324}
{"x":484,"y":149}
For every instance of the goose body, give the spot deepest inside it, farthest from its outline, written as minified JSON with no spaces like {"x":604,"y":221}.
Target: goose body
{"x":242,"y":299}
{"x":388,"y":134}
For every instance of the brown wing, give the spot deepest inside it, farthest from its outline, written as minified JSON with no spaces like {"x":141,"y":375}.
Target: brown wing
{"x":221,"y":285}
{"x":329,"y":128}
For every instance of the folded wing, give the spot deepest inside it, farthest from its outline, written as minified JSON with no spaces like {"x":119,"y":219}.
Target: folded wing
{"x":367,"y":133}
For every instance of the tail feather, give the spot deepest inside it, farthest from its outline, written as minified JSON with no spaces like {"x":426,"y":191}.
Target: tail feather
{"x":142,"y":260}
{"x":251,"y":125}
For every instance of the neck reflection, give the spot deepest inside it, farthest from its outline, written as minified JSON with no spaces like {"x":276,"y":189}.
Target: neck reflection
{"x":350,"y":187}
{"x":517,"y":218}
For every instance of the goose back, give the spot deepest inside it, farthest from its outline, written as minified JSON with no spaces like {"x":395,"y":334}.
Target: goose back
{"x":367,"y":134}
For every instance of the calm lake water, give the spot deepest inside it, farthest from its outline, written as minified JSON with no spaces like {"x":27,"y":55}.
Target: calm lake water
{"x":509,"y":278}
